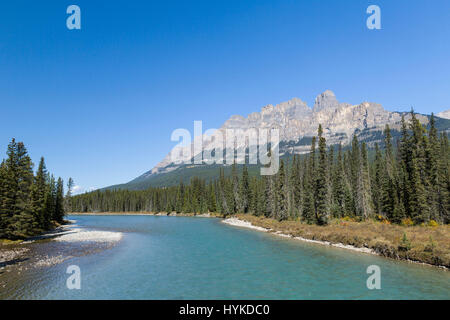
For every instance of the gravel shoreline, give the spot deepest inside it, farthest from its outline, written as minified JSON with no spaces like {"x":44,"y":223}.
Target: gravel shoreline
{"x":53,"y":247}
{"x":75,"y":235}
{"x":245,"y":224}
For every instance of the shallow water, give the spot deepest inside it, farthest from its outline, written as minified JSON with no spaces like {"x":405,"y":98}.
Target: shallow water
{"x":202,"y":258}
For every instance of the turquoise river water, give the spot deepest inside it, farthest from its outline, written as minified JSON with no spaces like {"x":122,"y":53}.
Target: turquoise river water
{"x":202,"y":258}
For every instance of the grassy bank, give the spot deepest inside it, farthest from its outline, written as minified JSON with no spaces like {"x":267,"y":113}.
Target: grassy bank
{"x":424,"y":244}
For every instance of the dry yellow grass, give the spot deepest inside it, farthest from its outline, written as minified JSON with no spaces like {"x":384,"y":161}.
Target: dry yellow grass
{"x":423,"y":243}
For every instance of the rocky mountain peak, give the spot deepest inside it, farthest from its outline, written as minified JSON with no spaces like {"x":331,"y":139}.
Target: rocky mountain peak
{"x":444,"y":114}
{"x":325,"y":100}
{"x":295,"y":120}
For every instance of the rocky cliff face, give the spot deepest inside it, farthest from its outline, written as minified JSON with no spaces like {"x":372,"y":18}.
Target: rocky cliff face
{"x":295,"y":120}
{"x":444,"y":114}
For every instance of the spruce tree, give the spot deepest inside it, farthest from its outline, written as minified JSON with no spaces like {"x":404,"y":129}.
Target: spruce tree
{"x":244,"y":191}
{"x":364,"y":198}
{"x":418,"y":208}
{"x":433,"y":185}
{"x":21,"y":223}
{"x":355,"y":169}
{"x":281,"y":212}
{"x":179,"y":198}
{"x":377,"y":178}
{"x":230,"y":199}
{"x":444,"y":179}
{"x":338,"y":186}
{"x":235,"y":197}
{"x":3,"y":211}
{"x":296,"y":188}
{"x":212,"y":198}
{"x":11,"y":181}
{"x":390,"y":193}
{"x":59,"y":202}
{"x":308,"y":210}
{"x":254,"y":192}
{"x":38,"y":196}
{"x":321,"y":182}
{"x":67,"y":199}
{"x":50,"y":201}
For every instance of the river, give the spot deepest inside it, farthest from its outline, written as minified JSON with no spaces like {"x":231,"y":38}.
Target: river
{"x":202,"y":258}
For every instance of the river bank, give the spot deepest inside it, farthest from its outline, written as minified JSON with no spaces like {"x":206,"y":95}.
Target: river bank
{"x":419,"y":244}
{"x":51,"y":248}
{"x":245,"y":224}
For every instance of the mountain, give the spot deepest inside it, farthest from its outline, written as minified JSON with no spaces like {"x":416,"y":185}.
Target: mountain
{"x":296,"y":122}
{"x":444,"y":114}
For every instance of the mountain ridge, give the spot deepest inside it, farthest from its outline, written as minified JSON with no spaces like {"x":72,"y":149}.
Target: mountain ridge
{"x":297,"y":122}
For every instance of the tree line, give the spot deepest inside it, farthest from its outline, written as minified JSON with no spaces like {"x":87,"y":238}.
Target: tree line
{"x":30,"y":202}
{"x":409,"y":182}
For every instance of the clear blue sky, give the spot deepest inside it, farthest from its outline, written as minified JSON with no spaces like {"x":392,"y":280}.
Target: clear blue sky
{"x":100,"y":103}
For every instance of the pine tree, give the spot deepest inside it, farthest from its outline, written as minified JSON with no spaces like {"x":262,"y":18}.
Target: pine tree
{"x":11,"y":181}
{"x":308,"y":213}
{"x":187,"y":208}
{"x":224,"y":207}
{"x":321,"y":188}
{"x":59,"y":202}
{"x":244,"y":191}
{"x":433,"y":185}
{"x":21,"y":223}
{"x":218,"y":194}
{"x":281,"y":191}
{"x":3,"y":211}
{"x":38,"y":196}
{"x":230,"y":199}
{"x":25,"y":178}
{"x":50,"y":201}
{"x":253,"y":205}
{"x":355,"y":168}
{"x":444,"y":179}
{"x":70,"y":185}
{"x":212,"y":198}
{"x":329,"y":183}
{"x":338,"y":186}
{"x":391,"y":203}
{"x":377,"y":178}
{"x":235,"y":197}
{"x":364,"y":198}
{"x":296,"y":188}
{"x":67,"y":199}
{"x":180,"y":198}
{"x":418,"y":208}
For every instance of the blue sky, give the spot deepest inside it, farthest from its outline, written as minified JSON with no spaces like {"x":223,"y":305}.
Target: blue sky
{"x":100,"y":103}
